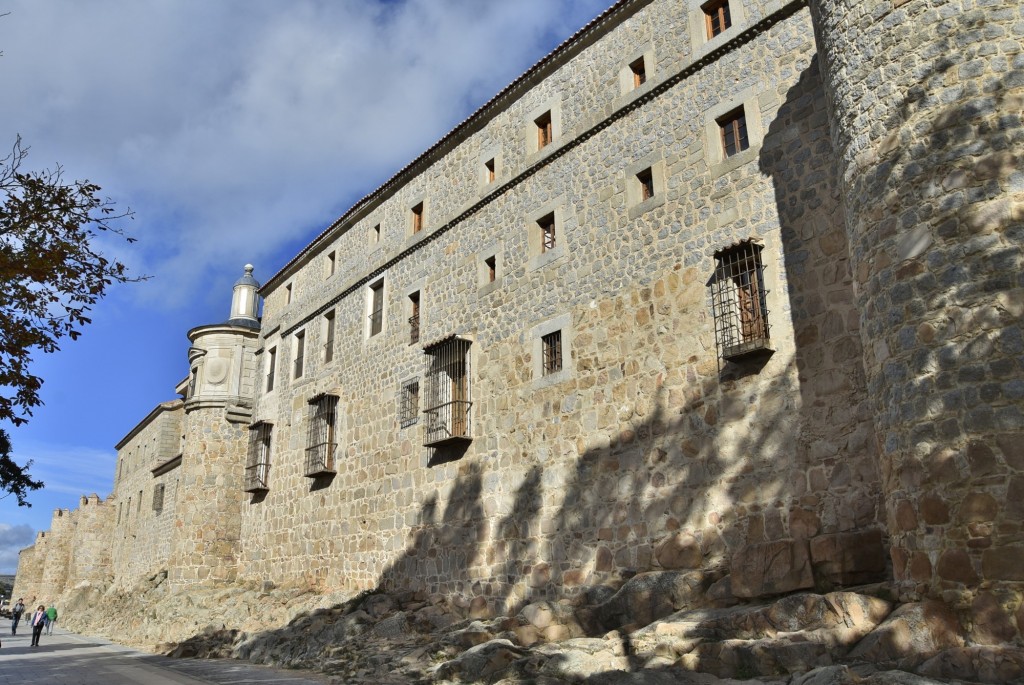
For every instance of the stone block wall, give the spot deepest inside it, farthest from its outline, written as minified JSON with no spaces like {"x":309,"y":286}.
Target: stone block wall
{"x":89,"y":559}
{"x":646,"y":451}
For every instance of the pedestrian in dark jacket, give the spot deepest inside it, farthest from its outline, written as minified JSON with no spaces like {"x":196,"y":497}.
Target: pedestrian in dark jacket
{"x":16,"y":613}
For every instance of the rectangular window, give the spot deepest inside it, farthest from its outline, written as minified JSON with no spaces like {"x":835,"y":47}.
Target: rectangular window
{"x":409,"y":410}
{"x":158,"y":498}
{"x":646,"y":180}
{"x":492,"y":268}
{"x":193,"y":378}
{"x":376,"y":308}
{"x":257,"y":461}
{"x":271,"y":367}
{"x":734,"y":132}
{"x":639,"y":72}
{"x":300,"y":354}
{"x":717,"y":17}
{"x":328,"y":336}
{"x":417,"y":218}
{"x":448,"y":393}
{"x":321,"y":440}
{"x":739,"y":301}
{"x":414,"y":318}
{"x":331,"y":259}
{"x":551,"y":345}
{"x":489,"y":170}
{"x":288,"y":294}
{"x":547,"y":232}
{"x":375,"y":234}
{"x":138,"y":503}
{"x":544,"y":130}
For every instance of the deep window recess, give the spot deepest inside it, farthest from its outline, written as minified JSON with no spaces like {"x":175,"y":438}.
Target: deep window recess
{"x":448,"y":398}
{"x":288,"y":294}
{"x":739,"y":301}
{"x":734,"y":132}
{"x":193,"y":378}
{"x":158,"y":498}
{"x":646,"y":180}
{"x":489,"y":170}
{"x":376,"y":308}
{"x":328,"y":336}
{"x":271,"y":367}
{"x":376,"y":234}
{"x":138,"y":503}
{"x":547,"y":232}
{"x":551,"y":345}
{"x":300,"y":353}
{"x":414,"y":318}
{"x":410,"y":407}
{"x":417,"y":218}
{"x":639,"y":72}
{"x":544,"y":130}
{"x":257,"y":462}
{"x":321,"y":441}
{"x":717,"y":17}
{"x":331,"y":261}
{"x":492,"y":268}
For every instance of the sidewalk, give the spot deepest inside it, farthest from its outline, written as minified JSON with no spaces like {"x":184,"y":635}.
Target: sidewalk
{"x":68,"y":659}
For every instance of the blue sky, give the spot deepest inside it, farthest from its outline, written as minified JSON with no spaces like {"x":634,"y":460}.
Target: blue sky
{"x":236,"y":131}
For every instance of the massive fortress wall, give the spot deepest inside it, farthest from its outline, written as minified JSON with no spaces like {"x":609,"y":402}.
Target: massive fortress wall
{"x":507,"y":374}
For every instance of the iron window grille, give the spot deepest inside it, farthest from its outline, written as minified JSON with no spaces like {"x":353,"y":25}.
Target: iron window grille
{"x":257,"y":462}
{"x":321,"y":439}
{"x":547,"y":232}
{"x":717,"y":17}
{"x":158,"y":498}
{"x":551,"y":345}
{"x":734,"y":132}
{"x":376,"y":308}
{"x":410,"y":408}
{"x":414,"y":320}
{"x":739,"y":301}
{"x":448,"y":396}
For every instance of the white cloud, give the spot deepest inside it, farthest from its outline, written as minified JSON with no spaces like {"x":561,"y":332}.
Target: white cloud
{"x":236,"y":127}
{"x":12,"y":540}
{"x":68,"y":469}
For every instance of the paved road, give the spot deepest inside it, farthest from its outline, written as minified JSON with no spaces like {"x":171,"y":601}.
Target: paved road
{"x":68,"y":659}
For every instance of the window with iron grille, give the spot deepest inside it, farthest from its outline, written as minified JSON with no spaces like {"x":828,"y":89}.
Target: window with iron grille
{"x":300,"y":354}
{"x":547,"y":232}
{"x":544,"y":130}
{"x":639,"y":72}
{"x":158,"y":498}
{"x":414,"y":318}
{"x":257,"y":461}
{"x":321,"y":440}
{"x":734,"y":132}
{"x":551,"y":346}
{"x":409,"y":410}
{"x":739,"y":301}
{"x":271,"y":367}
{"x":417,"y":218}
{"x":646,"y":180}
{"x":328,"y":336}
{"x":717,"y":17}
{"x":376,"y":307}
{"x":448,"y":398}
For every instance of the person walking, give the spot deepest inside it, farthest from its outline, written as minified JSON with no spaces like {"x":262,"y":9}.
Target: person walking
{"x":51,"y":618}
{"x":38,"y":623}
{"x":16,"y":613}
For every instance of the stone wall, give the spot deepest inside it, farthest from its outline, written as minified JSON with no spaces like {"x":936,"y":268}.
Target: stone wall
{"x":646,"y":451}
{"x":925,"y":107}
{"x":90,"y":560}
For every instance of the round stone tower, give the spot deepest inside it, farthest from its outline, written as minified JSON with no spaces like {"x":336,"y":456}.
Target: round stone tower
{"x":925,"y":102}
{"x":218,"y":409}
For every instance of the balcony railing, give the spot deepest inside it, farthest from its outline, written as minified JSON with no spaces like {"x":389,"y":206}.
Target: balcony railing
{"x":320,"y":459}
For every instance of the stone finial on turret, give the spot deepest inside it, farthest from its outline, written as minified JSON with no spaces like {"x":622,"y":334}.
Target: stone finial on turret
{"x":244,"y":301}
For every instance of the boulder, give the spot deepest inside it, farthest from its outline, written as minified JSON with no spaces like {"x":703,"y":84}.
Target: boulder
{"x":910,"y":635}
{"x":647,"y":597}
{"x":983,"y":664}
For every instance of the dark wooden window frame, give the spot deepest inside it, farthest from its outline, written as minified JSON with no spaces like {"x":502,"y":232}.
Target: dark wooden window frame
{"x":733,"y":128}
{"x":717,"y":17}
{"x":639,"y":71}
{"x":548,"y":232}
{"x":545,"y":130}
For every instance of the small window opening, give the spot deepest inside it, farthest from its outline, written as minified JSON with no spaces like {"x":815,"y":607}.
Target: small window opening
{"x":544,"y":130}
{"x":158,"y":498}
{"x":551,"y":345}
{"x":489,"y":170}
{"x":331,"y":258}
{"x":300,"y":354}
{"x":739,"y":301}
{"x":328,"y":336}
{"x":417,"y":218}
{"x":717,"y":17}
{"x":321,"y":440}
{"x":257,"y":463}
{"x":734,"y":132}
{"x":492,"y":268}
{"x":547,"y":232}
{"x":410,"y":404}
{"x":376,"y":308}
{"x":646,"y":180}
{"x":414,"y":318}
{"x":288,"y":294}
{"x":375,"y":234}
{"x":271,"y":367}
{"x":639,"y":72}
